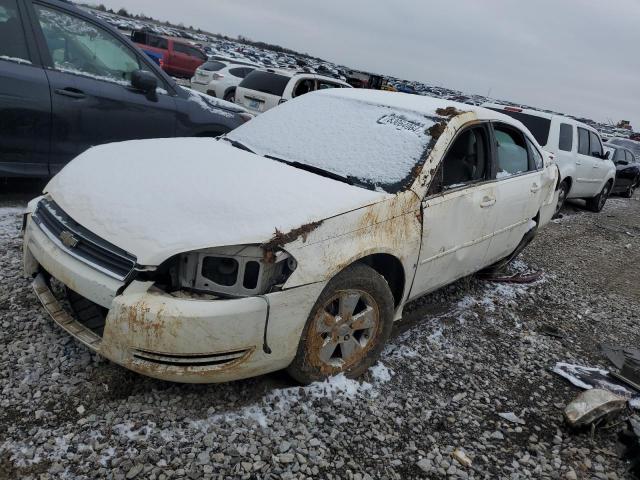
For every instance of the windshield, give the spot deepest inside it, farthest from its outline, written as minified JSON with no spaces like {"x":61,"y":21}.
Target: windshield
{"x":376,"y":146}
{"x":630,"y":144}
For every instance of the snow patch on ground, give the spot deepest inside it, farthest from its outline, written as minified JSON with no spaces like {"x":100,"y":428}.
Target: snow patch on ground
{"x":635,"y":403}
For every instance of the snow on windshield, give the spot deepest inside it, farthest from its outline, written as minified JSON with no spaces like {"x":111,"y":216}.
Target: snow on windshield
{"x":378,"y":146}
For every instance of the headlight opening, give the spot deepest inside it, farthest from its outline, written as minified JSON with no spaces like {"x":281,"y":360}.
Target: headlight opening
{"x":234,"y":271}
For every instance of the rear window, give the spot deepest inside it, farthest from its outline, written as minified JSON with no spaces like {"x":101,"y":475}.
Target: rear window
{"x":538,"y":126}
{"x":630,"y":144}
{"x":212,"y":66}
{"x":266,"y":82}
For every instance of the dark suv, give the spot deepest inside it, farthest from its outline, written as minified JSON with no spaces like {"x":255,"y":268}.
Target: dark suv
{"x":69,"y":81}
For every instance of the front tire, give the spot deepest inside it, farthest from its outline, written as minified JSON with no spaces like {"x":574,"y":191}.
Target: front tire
{"x":596,"y":204}
{"x":347,"y":328}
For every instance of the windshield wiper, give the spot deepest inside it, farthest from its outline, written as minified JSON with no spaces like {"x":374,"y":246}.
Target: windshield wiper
{"x":310,"y":168}
{"x":237,"y":144}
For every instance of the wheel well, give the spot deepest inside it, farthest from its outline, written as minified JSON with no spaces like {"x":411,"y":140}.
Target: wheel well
{"x":569,"y":180}
{"x":228,"y":91}
{"x":391,"y":269}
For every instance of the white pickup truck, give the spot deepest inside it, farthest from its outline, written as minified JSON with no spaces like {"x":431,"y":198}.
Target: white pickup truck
{"x":585,"y":169}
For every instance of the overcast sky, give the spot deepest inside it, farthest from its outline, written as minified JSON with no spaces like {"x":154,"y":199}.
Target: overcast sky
{"x":575,"y":56}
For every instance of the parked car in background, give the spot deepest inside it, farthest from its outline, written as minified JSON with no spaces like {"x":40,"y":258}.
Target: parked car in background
{"x":586,"y":172}
{"x":179,"y":58}
{"x":627,"y":169}
{"x":288,"y":243}
{"x":632,"y":145}
{"x":220,"y":79}
{"x":264,"y":89}
{"x":68,"y":81}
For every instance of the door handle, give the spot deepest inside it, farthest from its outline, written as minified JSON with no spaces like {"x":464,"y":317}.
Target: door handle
{"x":70,"y":92}
{"x":596,"y":166}
{"x":487,"y":202}
{"x":578,"y":163}
{"x":535,"y":188}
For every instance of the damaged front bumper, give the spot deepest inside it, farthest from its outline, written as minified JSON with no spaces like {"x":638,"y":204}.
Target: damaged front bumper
{"x":176,"y":339}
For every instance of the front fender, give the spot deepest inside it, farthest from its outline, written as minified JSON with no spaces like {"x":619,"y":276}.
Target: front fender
{"x":393,"y":227}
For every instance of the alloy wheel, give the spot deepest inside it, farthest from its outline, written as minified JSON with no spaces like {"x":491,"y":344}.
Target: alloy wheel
{"x":343,"y":330}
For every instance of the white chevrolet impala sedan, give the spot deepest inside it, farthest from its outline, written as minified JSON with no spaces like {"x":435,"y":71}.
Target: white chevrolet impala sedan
{"x":293,"y":242}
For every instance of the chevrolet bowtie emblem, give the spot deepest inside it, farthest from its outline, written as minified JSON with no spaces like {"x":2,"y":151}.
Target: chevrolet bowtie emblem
{"x":68,"y":239}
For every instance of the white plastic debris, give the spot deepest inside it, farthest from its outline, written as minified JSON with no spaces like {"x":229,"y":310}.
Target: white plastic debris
{"x":593,"y":405}
{"x":80,"y":409}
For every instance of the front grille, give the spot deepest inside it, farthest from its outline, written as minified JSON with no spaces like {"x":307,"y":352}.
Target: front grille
{"x":81,"y":243}
{"x":194,"y":360}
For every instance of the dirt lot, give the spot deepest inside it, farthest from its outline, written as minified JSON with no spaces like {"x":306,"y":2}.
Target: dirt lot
{"x":458,"y":358}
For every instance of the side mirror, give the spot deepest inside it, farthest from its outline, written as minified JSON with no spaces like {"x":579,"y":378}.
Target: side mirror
{"x":145,"y":82}
{"x":606,"y":155}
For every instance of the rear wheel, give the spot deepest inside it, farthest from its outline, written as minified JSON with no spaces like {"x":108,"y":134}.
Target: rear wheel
{"x":347,"y":327}
{"x":596,"y":204}
{"x":631,"y":190}
{"x":563,"y":191}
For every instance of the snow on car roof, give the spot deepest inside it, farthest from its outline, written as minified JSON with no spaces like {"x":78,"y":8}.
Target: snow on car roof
{"x":376,"y":139}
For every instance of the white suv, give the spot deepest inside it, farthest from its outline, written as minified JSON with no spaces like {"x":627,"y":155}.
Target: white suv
{"x":262,"y":89}
{"x":585,"y":169}
{"x":219,"y":72}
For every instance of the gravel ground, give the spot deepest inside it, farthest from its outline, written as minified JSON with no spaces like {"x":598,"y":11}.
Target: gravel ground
{"x":459,"y":358}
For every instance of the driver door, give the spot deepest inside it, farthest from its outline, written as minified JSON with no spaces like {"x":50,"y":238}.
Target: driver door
{"x":89,"y":76}
{"x":459,"y":213}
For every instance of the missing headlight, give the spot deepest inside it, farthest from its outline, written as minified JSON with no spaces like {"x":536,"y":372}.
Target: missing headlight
{"x":232,"y":271}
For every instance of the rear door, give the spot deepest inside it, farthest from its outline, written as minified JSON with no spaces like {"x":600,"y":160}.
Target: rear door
{"x":519,"y":189}
{"x":585,"y":166}
{"x":89,"y":71}
{"x":25,"y":102}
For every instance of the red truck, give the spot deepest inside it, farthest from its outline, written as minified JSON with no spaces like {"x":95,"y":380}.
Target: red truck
{"x":176,"y":58}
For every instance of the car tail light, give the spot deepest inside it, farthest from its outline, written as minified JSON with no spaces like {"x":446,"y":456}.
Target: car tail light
{"x":217,"y":76}
{"x":512,"y":109}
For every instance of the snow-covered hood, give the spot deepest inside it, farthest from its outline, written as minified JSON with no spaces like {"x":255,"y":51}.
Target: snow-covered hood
{"x":157,"y":198}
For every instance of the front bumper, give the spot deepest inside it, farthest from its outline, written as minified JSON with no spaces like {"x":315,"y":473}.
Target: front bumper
{"x":175,"y":339}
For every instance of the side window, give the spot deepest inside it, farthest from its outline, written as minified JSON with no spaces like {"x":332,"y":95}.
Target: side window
{"x":80,"y":47}
{"x":620,"y":155}
{"x":537,"y":162}
{"x":158,"y":42}
{"x":630,"y":157}
{"x":13,"y":44}
{"x":323,"y":85}
{"x":238,"y":72}
{"x":566,"y":137}
{"x":512,"y":152}
{"x":304,"y":86}
{"x":596,"y":145}
{"x":583,"y":141}
{"x":466,"y":161}
{"x":140,"y":37}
